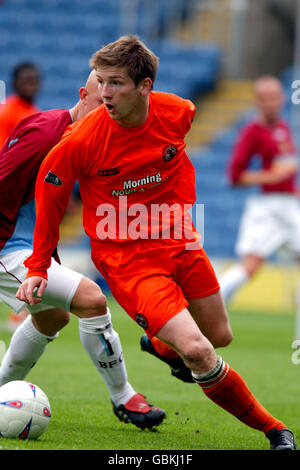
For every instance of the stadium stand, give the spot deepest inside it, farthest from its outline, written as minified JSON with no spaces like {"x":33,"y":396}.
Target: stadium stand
{"x":47,"y":33}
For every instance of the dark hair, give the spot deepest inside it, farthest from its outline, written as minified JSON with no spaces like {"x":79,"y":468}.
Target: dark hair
{"x":18,"y":69}
{"x":130,"y":53}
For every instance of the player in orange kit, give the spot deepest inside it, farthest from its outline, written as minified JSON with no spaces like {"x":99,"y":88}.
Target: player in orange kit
{"x":26,"y":84}
{"x":137,"y":185}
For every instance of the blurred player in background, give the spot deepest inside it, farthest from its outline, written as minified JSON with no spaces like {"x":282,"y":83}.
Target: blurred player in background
{"x":20,"y":159}
{"x":26,"y":82}
{"x":135,"y":142}
{"x":271,"y":219}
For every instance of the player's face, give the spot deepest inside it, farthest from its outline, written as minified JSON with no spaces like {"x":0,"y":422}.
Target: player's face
{"x":93,"y":98}
{"x":269,"y":98}
{"x":28,"y":83}
{"x":125,"y":102}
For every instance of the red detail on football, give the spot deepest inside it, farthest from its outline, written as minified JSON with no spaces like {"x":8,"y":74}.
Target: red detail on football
{"x":33,"y":388}
{"x":15,"y":404}
{"x":25,"y":432}
{"x":47,"y":412}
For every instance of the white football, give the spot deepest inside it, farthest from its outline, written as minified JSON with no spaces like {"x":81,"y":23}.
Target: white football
{"x":24,"y":410}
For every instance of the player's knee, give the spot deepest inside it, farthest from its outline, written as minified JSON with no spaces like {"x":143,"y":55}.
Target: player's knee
{"x":50,"y":322}
{"x":62,"y":321}
{"x":99,"y":303}
{"x":196,"y":353}
{"x":88,"y":300}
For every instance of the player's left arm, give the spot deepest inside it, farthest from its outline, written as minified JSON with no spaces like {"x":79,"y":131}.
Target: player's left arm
{"x":190,"y":110}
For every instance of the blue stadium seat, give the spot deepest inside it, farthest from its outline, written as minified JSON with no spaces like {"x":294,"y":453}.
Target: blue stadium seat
{"x":61,"y":36}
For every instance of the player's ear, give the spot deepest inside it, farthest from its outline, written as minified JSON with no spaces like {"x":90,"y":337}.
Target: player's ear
{"x":145,"y":86}
{"x":83,"y":93}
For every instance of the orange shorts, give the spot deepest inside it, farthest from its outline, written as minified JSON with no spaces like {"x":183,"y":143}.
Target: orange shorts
{"x":153,"y":287}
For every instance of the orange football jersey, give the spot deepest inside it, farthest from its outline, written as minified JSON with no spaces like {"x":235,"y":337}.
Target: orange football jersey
{"x":131,"y":180}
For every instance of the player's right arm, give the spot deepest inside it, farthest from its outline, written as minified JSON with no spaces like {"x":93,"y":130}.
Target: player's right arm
{"x":54,"y":185}
{"x":265,"y":177}
{"x":238,"y":168}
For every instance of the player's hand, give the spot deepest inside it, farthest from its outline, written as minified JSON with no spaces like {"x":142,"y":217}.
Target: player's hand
{"x":27,"y":288}
{"x":279,"y":173}
{"x":274,"y":175}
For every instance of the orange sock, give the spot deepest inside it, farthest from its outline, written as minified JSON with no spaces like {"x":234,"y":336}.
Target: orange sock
{"x":163,"y":349}
{"x":227,"y":388}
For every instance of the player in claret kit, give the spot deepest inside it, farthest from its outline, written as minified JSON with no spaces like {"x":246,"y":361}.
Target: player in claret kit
{"x":271,"y":218}
{"x":129,"y":156}
{"x":20,"y":159}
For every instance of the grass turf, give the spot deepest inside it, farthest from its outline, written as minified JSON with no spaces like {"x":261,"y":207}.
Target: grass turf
{"x":82,"y":417}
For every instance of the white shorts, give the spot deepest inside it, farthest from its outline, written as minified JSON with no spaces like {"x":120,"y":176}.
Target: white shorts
{"x":61,"y":287}
{"x":269,"y":222}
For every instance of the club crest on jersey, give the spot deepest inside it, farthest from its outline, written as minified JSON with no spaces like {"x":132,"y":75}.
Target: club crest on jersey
{"x":141,"y":320}
{"x":53,"y":179}
{"x":169,"y":152}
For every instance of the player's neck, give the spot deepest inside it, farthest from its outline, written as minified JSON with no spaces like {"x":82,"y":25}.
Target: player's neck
{"x":137,"y":118}
{"x":76,"y":112}
{"x":26,"y":99}
{"x":268,"y":121}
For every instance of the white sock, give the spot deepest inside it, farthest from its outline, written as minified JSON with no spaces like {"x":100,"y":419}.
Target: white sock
{"x":26,"y":346}
{"x":212,"y":375}
{"x":232,"y":280}
{"x":103,"y":346}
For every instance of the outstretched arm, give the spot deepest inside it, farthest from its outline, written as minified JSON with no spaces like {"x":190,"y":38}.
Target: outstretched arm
{"x":54,"y":185}
{"x":238,"y":169}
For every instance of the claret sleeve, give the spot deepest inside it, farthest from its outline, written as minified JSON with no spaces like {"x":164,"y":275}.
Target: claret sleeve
{"x":243,"y":150}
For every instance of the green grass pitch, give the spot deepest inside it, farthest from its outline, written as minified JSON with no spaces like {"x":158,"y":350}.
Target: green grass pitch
{"x":82,"y":417}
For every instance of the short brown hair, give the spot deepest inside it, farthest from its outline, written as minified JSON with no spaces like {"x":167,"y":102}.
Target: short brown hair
{"x":130,"y":53}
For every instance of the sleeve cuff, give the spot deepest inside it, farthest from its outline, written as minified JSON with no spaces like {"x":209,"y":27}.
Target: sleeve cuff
{"x":32,"y":272}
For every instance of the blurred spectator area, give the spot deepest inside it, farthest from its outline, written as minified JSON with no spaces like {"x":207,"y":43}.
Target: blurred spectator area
{"x":61,"y":36}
